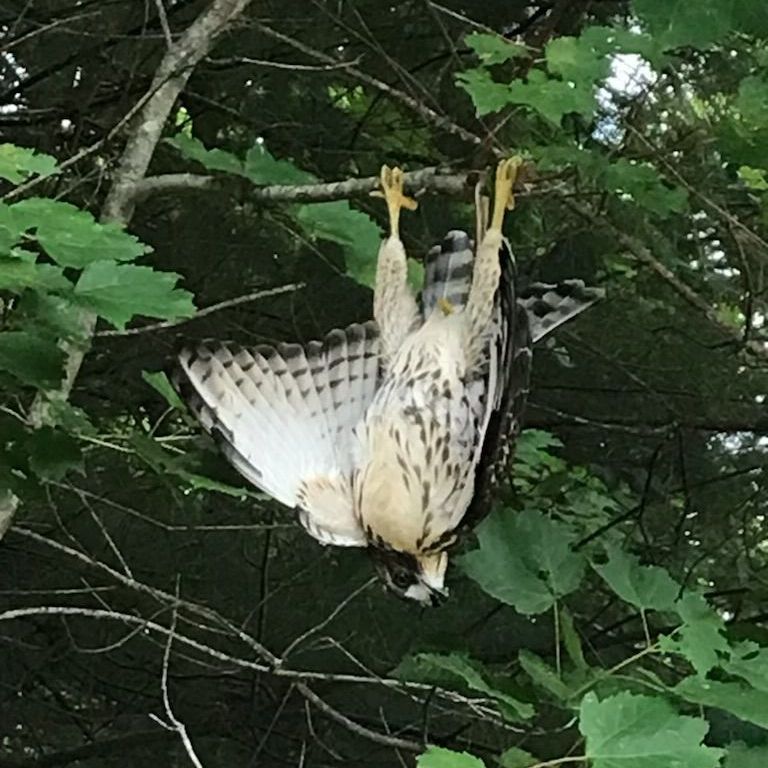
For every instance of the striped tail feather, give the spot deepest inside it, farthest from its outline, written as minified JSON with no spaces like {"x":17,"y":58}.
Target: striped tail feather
{"x":448,"y":276}
{"x":549,"y":305}
{"x":448,"y":272}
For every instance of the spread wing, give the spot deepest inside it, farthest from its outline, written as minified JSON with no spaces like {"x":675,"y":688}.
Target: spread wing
{"x":284,"y":416}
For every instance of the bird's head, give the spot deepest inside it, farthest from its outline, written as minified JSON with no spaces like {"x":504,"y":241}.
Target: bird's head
{"x":412,"y":577}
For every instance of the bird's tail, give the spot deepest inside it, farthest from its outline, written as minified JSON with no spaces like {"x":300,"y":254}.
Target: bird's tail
{"x":448,"y":272}
{"x":448,"y":277}
{"x":549,"y":305}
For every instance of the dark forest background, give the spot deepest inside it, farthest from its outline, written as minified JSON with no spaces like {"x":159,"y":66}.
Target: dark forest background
{"x":153,"y":608}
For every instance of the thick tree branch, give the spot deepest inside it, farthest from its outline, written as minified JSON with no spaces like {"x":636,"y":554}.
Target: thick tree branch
{"x":438,"y":180}
{"x":170,"y":78}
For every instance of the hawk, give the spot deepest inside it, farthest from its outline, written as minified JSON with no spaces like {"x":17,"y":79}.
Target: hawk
{"x":391,"y":434}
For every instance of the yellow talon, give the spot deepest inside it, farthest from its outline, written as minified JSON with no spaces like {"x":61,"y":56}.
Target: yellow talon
{"x":392,"y":191}
{"x":504,"y":199}
{"x":445,"y":306}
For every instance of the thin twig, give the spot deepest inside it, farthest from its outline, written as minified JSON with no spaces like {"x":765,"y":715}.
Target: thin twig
{"x":360,"y":730}
{"x":175,"y":723}
{"x":203,"y":312}
{"x":164,"y":23}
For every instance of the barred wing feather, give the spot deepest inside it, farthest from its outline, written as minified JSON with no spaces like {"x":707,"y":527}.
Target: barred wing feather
{"x":284,"y":417}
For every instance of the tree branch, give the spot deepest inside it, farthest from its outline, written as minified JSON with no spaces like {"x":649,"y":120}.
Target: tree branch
{"x":435,"y":179}
{"x":170,"y":78}
{"x":360,"y":730}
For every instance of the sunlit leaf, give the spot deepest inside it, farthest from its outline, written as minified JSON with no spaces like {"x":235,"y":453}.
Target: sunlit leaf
{"x":738,"y":755}
{"x":516,"y":758}
{"x":159,"y":382}
{"x":356,"y":232}
{"x":72,"y":237}
{"x":262,"y":168}
{"x":118,"y":292}
{"x":212,"y":159}
{"x":487,"y":95}
{"x":676,"y":23}
{"x":630,"y":731}
{"x":494,"y":49}
{"x":17,"y":164}
{"x":438,"y":757}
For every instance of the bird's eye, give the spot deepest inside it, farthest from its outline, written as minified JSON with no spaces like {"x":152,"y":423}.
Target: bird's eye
{"x":401,"y":579}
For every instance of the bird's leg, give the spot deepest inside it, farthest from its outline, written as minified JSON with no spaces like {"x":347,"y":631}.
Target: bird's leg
{"x":392,"y":192}
{"x":486,"y":272}
{"x":394,"y":306}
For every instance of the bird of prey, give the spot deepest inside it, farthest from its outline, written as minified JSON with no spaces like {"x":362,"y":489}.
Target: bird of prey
{"x":390,"y":434}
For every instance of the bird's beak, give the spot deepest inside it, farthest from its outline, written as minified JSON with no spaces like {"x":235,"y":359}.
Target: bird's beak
{"x":437,"y":597}
{"x":433,"y":571}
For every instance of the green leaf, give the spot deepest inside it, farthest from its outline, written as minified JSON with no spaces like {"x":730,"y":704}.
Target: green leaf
{"x":357,"y":233}
{"x":571,"y":639}
{"x":117,"y":292}
{"x":678,"y":23}
{"x":543,"y":675}
{"x":73,"y":238}
{"x":159,"y":382}
{"x":53,"y":453}
{"x":576,"y":59}
{"x":58,"y":314}
{"x":437,"y":757}
{"x":17,"y":275}
{"x":750,"y":661}
{"x":524,"y":560}
{"x":425,"y":666}
{"x":647,"y":587}
{"x":754,"y":178}
{"x":629,"y":731}
{"x":10,"y":230}
{"x":165,"y":463}
{"x":741,"y":700}
{"x":752,"y":101}
{"x":70,"y":418}
{"x":30,"y":358}
{"x":553,"y":99}
{"x":738,"y":755}
{"x":212,"y":159}
{"x":262,"y":168}
{"x":487,"y":95}
{"x":516,"y":758}
{"x":494,"y":49}
{"x":17,"y":164}
{"x":701,"y":638}
{"x":644,"y":185}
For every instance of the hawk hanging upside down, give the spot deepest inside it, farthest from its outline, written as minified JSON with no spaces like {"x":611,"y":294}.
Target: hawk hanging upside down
{"x":389,"y":435}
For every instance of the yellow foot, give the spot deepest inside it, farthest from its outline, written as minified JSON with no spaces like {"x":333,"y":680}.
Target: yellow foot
{"x":504,"y":199}
{"x":392,"y":192}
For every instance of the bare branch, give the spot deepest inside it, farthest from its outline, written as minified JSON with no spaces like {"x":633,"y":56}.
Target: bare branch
{"x":175,"y":723}
{"x":360,"y":730}
{"x":435,"y":179}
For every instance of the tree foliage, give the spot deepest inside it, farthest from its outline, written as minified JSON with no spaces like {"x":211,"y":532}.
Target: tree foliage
{"x":610,"y":610}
